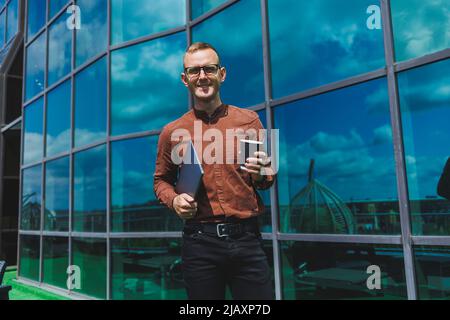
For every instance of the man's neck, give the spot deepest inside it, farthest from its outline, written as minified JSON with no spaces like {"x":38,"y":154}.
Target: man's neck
{"x":208,"y":106}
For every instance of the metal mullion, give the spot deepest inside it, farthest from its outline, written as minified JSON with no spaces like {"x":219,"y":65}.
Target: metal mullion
{"x":379,"y":73}
{"x":29,"y":232}
{"x":146,"y":38}
{"x":10,"y":125}
{"x":189,"y":42}
{"x":22,"y":130}
{"x":156,"y":235}
{"x":212,"y":12}
{"x":108,"y":155}
{"x":402,"y":185}
{"x":142,"y":134}
{"x":341,"y":238}
{"x":274,"y":190}
{"x":82,"y":234}
{"x":55,"y":233}
{"x":71,"y":152}
{"x":418,"y":62}
{"x":431,"y":240}
{"x":88,"y":63}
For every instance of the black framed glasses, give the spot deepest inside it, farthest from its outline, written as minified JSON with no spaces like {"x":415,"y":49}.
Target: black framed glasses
{"x":210,"y":70}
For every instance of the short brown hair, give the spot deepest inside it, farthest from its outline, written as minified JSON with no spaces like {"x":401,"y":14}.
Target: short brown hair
{"x":196,"y":46}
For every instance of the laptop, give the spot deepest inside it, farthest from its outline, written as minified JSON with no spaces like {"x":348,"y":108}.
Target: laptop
{"x":190,"y":174}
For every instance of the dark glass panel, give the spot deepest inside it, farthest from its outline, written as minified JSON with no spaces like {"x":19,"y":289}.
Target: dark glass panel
{"x":29,"y":257}
{"x":56,"y":261}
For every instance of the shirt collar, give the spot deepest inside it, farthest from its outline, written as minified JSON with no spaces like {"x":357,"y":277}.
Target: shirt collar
{"x":221,"y":111}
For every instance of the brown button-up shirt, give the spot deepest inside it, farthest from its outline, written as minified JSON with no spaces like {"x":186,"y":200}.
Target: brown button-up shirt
{"x":225,"y":188}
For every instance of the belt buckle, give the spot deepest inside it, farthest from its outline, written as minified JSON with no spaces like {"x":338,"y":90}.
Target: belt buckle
{"x":220,"y":233}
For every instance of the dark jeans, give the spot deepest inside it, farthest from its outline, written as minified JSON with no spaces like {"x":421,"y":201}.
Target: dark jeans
{"x":211,"y":263}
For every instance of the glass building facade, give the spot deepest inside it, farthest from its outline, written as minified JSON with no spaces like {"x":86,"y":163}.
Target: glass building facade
{"x":358,"y":89}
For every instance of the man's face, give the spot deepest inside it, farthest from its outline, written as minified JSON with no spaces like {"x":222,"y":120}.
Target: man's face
{"x":203,"y":86}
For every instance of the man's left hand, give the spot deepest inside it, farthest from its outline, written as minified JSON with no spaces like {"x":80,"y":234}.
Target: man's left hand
{"x":258,"y":166}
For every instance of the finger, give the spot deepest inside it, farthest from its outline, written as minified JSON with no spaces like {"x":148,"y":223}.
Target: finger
{"x":253,"y":166}
{"x":187,"y":197}
{"x":260,"y":154}
{"x":250,"y":171}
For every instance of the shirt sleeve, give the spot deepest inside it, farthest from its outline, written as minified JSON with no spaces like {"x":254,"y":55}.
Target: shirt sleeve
{"x":166,"y":171}
{"x":268,"y":180}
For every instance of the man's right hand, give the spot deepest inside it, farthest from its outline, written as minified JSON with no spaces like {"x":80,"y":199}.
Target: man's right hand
{"x":185,"y":206}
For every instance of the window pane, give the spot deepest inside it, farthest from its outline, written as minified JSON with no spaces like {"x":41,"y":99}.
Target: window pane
{"x":60,"y":50}
{"x":425,"y":106}
{"x":90,"y":256}
{"x":56,"y":6}
{"x":58,"y":120}
{"x":34,"y":135}
{"x":340,"y":271}
{"x":132,"y":19}
{"x":317,"y":42}
{"x":147,"y":269}
{"x":145,"y":79}
{"x":29,"y":257}
{"x":134,"y":205}
{"x":90,"y":104}
{"x":199,"y":7}
{"x":244,"y":85}
{"x":35,"y":67}
{"x":90,"y":190}
{"x":56,"y":217}
{"x":432,"y":272}
{"x":30,"y":217}
{"x":56,"y":261}
{"x":337,"y":175}
{"x":36,"y":16}
{"x":2,"y":29}
{"x":93,"y":35}
{"x":420,"y":27}
{"x":13,"y":10}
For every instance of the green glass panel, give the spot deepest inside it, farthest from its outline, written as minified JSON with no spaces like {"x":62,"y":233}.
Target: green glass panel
{"x":324,"y":271}
{"x":56,"y":261}
{"x":29,"y":257}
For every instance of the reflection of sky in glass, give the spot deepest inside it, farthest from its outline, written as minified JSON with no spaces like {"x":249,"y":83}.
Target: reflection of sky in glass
{"x":348,"y":134}
{"x":35,"y":67}
{"x":33,"y":136}
{"x":2,"y":28}
{"x":136,"y":18}
{"x":13,"y":26}
{"x":92,"y":37}
{"x":199,"y":7}
{"x":56,"y":217}
{"x":31,"y":198}
{"x":425,"y":102}
{"x":60,"y":50}
{"x":90,"y":104}
{"x":90,"y":190}
{"x":36,"y":16}
{"x":55,"y":6}
{"x":58,"y":119}
{"x":145,"y":79}
{"x":236,"y":34}
{"x":321,"y":41}
{"x":420,"y":27}
{"x":133,"y":198}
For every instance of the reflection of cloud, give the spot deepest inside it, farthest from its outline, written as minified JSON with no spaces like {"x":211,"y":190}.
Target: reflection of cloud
{"x":145,"y":80}
{"x":382,"y":134}
{"x":35,"y":66}
{"x":347,"y":165}
{"x":132,"y":19}
{"x":92,"y":37}
{"x":340,"y":47}
{"x":86,"y":136}
{"x":59,"y":143}
{"x":423,"y":175}
{"x":60,"y":46}
{"x":33,"y":147}
{"x":421,"y":27}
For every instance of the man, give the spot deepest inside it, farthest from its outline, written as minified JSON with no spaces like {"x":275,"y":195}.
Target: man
{"x":222,"y":244}
{"x":444,"y":182}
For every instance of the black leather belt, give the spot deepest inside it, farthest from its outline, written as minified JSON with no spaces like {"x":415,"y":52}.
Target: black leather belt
{"x":223,"y":229}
